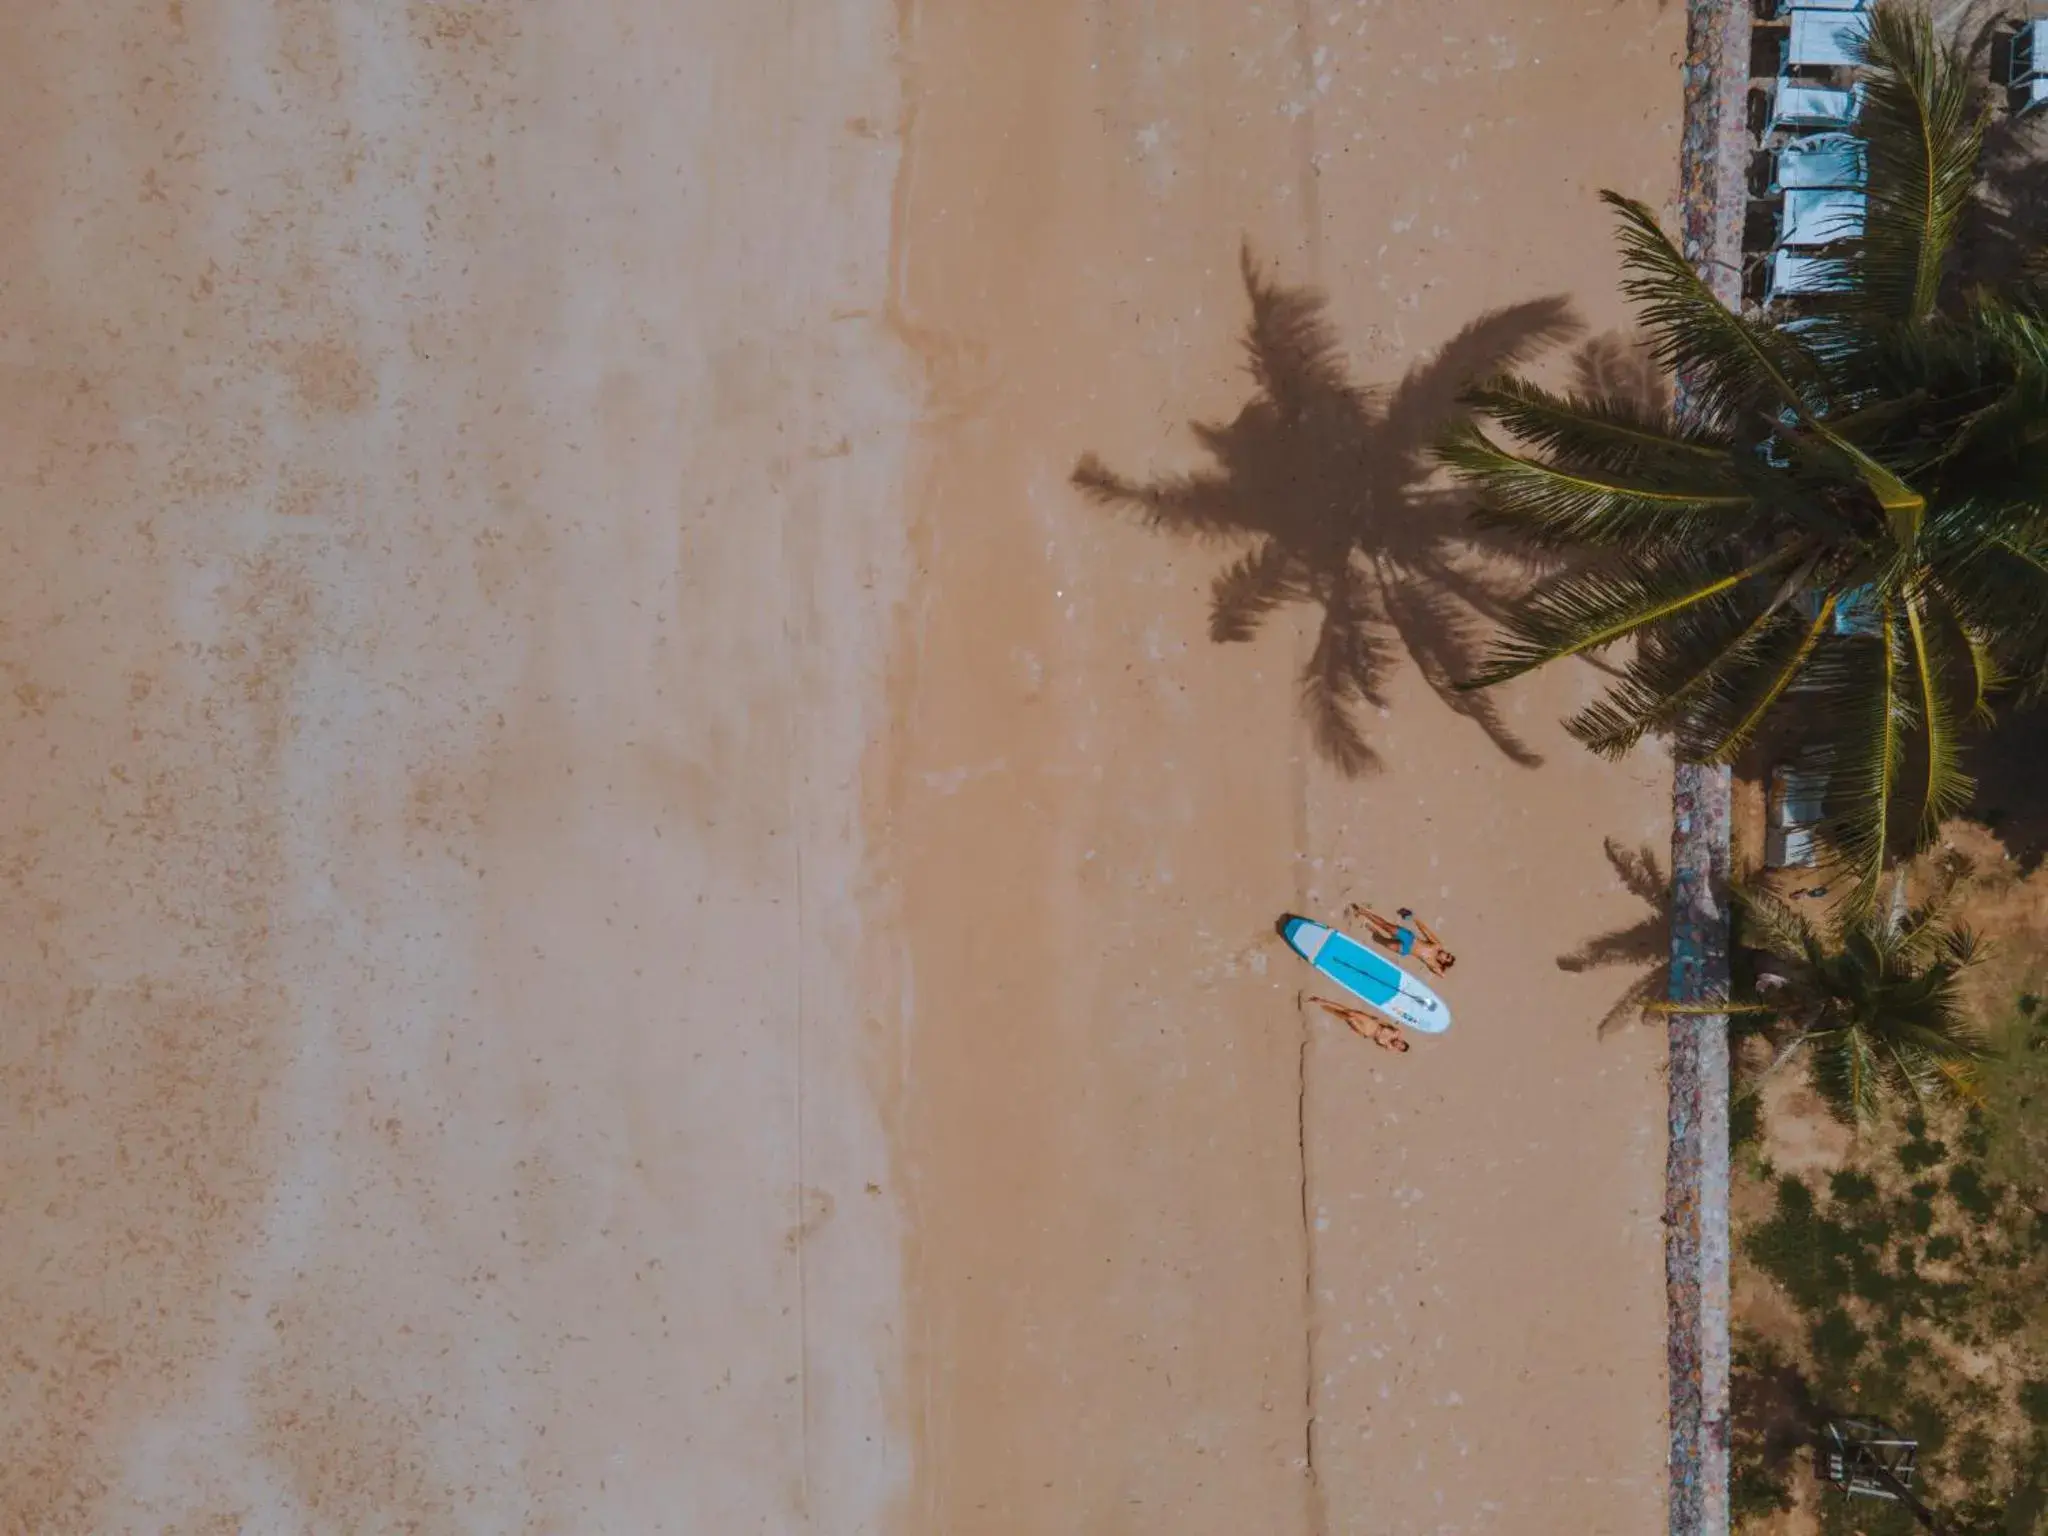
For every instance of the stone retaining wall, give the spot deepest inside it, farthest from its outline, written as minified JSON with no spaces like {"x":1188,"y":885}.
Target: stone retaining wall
{"x":1712,"y":196}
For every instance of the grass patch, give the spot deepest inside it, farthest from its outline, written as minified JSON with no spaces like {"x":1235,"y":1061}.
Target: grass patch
{"x":2015,"y":1080}
{"x":1882,"y":1337}
{"x":1911,"y":1282}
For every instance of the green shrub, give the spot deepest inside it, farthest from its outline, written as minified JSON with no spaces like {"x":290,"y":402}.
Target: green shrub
{"x":1851,"y":1187}
{"x":1966,"y":1184}
{"x":1973,"y":1456}
{"x":1837,"y":1342}
{"x":1757,"y":1492}
{"x":1924,"y":1420}
{"x":1918,"y":1154}
{"x":1745,"y":1121}
{"x":2034,"y":1402}
{"x":1977,"y":1134}
{"x":1800,"y":1250}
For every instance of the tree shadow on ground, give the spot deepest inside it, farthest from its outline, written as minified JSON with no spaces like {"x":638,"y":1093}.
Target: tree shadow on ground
{"x":1644,"y":944}
{"x":1774,"y":1422}
{"x":2008,"y":227}
{"x":2012,"y":786}
{"x":1329,"y":488}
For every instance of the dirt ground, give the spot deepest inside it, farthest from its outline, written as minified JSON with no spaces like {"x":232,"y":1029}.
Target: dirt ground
{"x":1987,"y":886}
{"x":625,"y":911}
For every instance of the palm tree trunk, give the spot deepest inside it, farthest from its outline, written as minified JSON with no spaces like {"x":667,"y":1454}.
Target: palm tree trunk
{"x":1713,"y":162}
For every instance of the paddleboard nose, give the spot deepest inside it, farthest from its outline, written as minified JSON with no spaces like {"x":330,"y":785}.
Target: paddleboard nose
{"x":1300,"y":934}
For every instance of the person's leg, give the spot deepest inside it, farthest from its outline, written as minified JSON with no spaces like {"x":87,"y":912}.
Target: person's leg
{"x":1344,"y":1011}
{"x":1380,"y":925}
{"x":1367,"y":1025}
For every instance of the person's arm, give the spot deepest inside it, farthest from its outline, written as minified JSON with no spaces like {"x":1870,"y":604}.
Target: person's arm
{"x":1424,"y":929}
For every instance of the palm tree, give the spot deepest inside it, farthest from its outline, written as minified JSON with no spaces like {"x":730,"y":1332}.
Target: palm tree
{"x":1876,"y":1003}
{"x":1847,"y":533}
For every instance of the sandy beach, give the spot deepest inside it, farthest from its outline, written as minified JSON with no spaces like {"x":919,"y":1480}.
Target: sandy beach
{"x":626,"y":911}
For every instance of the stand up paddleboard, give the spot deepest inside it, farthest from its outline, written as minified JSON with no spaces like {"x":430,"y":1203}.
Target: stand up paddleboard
{"x":1367,"y":975}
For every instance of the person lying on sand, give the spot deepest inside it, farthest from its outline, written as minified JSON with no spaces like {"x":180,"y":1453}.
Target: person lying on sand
{"x":1410,"y":935}
{"x":1383,"y":1033}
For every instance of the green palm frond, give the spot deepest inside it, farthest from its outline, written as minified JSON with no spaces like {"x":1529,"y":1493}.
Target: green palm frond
{"x":2019,"y":332}
{"x":1923,"y":126}
{"x":1736,"y":369}
{"x":1960,"y":1081}
{"x":1615,"y":432}
{"x":1857,"y":721}
{"x":1887,"y":1041}
{"x":1695,"y":669}
{"x":1558,"y":506}
{"x":1894,"y":447}
{"x":1847,"y":1073}
{"x":1985,"y":674}
{"x":1923,"y":936}
{"x":1770,"y":925}
{"x":1991,"y":377}
{"x":1721,"y":740}
{"x":1946,"y":789}
{"x":2000,"y":588}
{"x":1589,"y":610}
{"x":1883,"y":1008}
{"x":1876,"y":777}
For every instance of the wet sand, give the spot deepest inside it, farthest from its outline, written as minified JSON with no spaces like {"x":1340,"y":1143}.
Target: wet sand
{"x":625,"y":912}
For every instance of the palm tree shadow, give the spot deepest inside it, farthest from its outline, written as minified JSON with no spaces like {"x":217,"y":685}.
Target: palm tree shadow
{"x":2006,"y":229}
{"x":1645,"y":944}
{"x":1618,"y":366}
{"x":1329,"y":488}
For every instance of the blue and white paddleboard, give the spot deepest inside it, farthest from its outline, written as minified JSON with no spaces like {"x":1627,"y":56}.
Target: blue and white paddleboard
{"x":1365,"y":974}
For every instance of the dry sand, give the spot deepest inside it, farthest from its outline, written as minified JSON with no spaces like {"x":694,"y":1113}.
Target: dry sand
{"x":624,"y":913}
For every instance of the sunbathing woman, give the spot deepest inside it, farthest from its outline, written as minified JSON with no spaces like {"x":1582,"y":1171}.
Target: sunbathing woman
{"x":1381,"y":1032}
{"x":1410,"y":936}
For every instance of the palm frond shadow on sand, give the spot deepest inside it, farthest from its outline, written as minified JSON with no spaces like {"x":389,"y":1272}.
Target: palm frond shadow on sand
{"x":1644,"y":944}
{"x":1328,"y":489}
